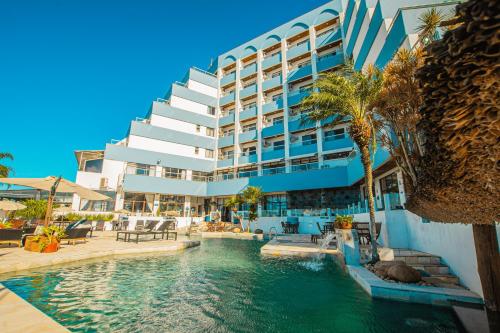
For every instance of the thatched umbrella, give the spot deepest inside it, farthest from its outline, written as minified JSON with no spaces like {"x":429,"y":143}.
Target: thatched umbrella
{"x":458,"y":176}
{"x":53,"y":185}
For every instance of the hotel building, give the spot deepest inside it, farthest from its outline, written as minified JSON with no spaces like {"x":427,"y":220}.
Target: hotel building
{"x":239,"y":123}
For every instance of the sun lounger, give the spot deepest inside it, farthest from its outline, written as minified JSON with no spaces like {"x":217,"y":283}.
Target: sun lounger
{"x":11,"y":236}
{"x":76,"y":234}
{"x":147,"y":230}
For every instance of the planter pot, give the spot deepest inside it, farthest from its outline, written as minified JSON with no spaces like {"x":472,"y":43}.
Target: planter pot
{"x":36,"y":246}
{"x":343,"y":225}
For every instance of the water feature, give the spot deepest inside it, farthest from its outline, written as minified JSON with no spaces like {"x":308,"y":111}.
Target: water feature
{"x":223,"y":286}
{"x":327,"y":240}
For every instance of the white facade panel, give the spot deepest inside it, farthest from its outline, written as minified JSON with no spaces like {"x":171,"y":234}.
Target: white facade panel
{"x":176,"y":125}
{"x":182,"y":103}
{"x":378,"y":43}
{"x":362,"y":33}
{"x":90,"y":180}
{"x":172,"y":148}
{"x":202,"y":88}
{"x":111,"y":170}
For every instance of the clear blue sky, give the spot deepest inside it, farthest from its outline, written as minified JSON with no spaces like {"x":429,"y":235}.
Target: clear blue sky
{"x":74,"y":73}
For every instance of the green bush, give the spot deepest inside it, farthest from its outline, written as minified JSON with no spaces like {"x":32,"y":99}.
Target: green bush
{"x":35,"y":209}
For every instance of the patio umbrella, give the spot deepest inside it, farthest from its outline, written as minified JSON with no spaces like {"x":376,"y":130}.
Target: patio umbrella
{"x":8,"y":205}
{"x":63,"y":210}
{"x":54,"y":185}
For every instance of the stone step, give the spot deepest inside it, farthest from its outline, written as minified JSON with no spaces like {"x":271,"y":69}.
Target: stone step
{"x":441,"y":279}
{"x":407,"y":252}
{"x":432,"y":269}
{"x":418,"y":259}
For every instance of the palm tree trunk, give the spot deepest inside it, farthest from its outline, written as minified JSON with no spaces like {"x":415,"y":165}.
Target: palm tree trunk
{"x":367,"y":166}
{"x":409,"y":165}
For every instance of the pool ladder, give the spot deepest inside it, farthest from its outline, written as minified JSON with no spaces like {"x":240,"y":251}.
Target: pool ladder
{"x":271,"y":231}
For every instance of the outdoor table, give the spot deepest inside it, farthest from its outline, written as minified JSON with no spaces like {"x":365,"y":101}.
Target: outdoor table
{"x":291,"y":228}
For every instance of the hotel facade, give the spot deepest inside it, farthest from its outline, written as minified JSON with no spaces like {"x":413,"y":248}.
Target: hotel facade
{"x":239,"y":123}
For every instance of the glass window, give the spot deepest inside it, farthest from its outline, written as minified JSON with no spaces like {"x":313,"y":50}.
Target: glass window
{"x":249,"y":106}
{"x":335,"y":134}
{"x":278,"y":120}
{"x":210,"y":132}
{"x":249,"y":151}
{"x":228,"y":154}
{"x":172,"y":205}
{"x":277,"y":97}
{"x":200,"y":176}
{"x":279,"y":145}
{"x":309,"y":139}
{"x":249,"y":127}
{"x":276,"y":203}
{"x":209,"y":153}
{"x":211,"y":110}
{"x":196,"y":150}
{"x":174,"y":173}
{"x":276,"y":74}
{"x":93,"y":166}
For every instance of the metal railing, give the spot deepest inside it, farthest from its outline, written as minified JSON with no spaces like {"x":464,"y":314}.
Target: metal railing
{"x":305,"y":167}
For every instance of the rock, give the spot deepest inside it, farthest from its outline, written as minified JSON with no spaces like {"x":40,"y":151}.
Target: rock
{"x":403,"y":273}
{"x":381,"y":267}
{"x":236,"y":230}
{"x":258,"y":231}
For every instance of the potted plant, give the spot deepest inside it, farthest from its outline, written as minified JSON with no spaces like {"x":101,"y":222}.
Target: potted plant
{"x":46,"y":242}
{"x":5,"y":225}
{"x":343,"y":221}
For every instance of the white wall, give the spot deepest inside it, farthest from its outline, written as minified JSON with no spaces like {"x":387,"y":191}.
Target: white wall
{"x":181,"y":103}
{"x":202,"y":88}
{"x":112,"y":170}
{"x":177,"y":125}
{"x":362,"y":32}
{"x":165,"y":147}
{"x":88,"y":179}
{"x":378,"y":43}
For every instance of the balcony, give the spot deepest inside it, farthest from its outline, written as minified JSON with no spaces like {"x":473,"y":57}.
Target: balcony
{"x":328,"y":38}
{"x":228,"y":162}
{"x":271,"y":154}
{"x":248,"y":113}
{"x":295,"y":97}
{"x":226,"y":120}
{"x":249,"y":70}
{"x":227,"y":79}
{"x":328,"y":62}
{"x":300,"y":123}
{"x":272,"y":106}
{"x":271,"y":61}
{"x":248,"y":91}
{"x":338,"y":144}
{"x":300,"y":149}
{"x":248,"y":136}
{"x":225,"y":141}
{"x":299,"y":73}
{"x":229,"y":98}
{"x":247,"y":159}
{"x":273,"y":130}
{"x":272,"y":83}
{"x":298,"y":50}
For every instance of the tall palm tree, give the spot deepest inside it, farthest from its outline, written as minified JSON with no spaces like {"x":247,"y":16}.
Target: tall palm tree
{"x":4,"y":169}
{"x":430,"y":21}
{"x":398,"y":107}
{"x":252,"y":196}
{"x":347,"y":95}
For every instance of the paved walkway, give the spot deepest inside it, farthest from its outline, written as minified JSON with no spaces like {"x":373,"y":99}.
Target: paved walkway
{"x":295,"y":245}
{"x":103,"y":244}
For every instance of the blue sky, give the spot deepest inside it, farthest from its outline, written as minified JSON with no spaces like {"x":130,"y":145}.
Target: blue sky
{"x":74,"y":73}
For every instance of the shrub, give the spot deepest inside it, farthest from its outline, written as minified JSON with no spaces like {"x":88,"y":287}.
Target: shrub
{"x":35,"y":209}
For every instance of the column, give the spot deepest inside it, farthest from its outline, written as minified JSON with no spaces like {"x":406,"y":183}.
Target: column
{"x":314,"y":68}
{"x":284,"y":73}
{"x":237,"y":107}
{"x":259,"y":110}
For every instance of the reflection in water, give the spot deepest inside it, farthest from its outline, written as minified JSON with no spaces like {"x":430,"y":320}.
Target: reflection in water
{"x":223,"y":286}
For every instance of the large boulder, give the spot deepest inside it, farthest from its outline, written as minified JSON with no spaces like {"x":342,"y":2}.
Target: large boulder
{"x":381,"y":267}
{"x":403,"y":273}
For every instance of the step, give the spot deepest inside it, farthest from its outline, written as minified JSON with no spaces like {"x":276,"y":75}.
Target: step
{"x":432,"y":269}
{"x":407,"y":252}
{"x":438,"y":279}
{"x":418,"y":259}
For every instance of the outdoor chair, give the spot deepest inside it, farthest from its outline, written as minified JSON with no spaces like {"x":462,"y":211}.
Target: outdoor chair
{"x":167,"y":227}
{"x":124,"y":226}
{"x":363,"y":230}
{"x":76,"y":234}
{"x":321,"y":235}
{"x":150,"y":225}
{"x":139,"y":225}
{"x":11,"y":236}
{"x":99,"y":226}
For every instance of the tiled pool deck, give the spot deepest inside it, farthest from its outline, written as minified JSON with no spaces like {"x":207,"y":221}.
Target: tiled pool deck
{"x":13,"y":259}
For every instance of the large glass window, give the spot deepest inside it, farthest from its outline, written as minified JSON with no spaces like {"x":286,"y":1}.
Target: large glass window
{"x":279,"y":145}
{"x":138,"y":202}
{"x":201,"y":176}
{"x":140,"y":169}
{"x":174,"y":173}
{"x":309,"y":139}
{"x":335,"y":134}
{"x":275,"y":205}
{"x":249,"y":151}
{"x":93,"y":166}
{"x":172,"y":205}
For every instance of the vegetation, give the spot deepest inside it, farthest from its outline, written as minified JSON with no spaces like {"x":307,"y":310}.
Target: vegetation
{"x":5,"y":225}
{"x":343,"y":221}
{"x":50,"y":234}
{"x":348,"y":95}
{"x":252,"y":196}
{"x":35,"y":209}
{"x":4,"y":169}
{"x":96,"y":217}
{"x":429,"y":24}
{"x":234,"y":202}
{"x":398,"y":109}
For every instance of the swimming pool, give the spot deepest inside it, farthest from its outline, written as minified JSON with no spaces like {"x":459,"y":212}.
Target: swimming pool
{"x":222,"y":286}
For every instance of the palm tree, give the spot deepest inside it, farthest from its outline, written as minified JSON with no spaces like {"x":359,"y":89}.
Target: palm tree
{"x":252,"y":196}
{"x":398,"y":107}
{"x":430,"y":21}
{"x":347,"y":95}
{"x":4,"y":169}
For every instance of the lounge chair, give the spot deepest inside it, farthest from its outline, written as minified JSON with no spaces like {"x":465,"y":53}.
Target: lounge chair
{"x":76,"y":234}
{"x":139,"y":225}
{"x":11,"y":236}
{"x":99,"y":226}
{"x":150,"y":225}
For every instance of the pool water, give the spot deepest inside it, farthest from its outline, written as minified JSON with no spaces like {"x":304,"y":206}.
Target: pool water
{"x":221,"y":286}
